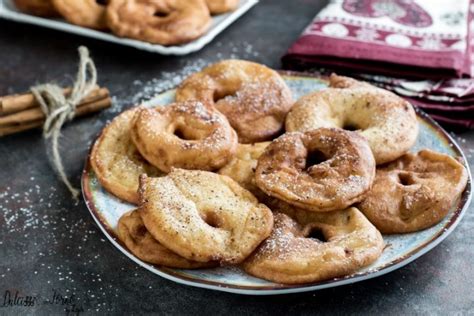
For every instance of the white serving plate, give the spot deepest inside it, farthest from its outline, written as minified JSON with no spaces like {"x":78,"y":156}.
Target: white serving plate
{"x":8,"y":11}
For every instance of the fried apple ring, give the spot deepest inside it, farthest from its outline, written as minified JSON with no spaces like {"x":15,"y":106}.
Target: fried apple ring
{"x":139,"y":241}
{"x":254,"y":98}
{"x":290,"y":255}
{"x":387,"y":121}
{"x":204,"y":216}
{"x":87,"y":13}
{"x":185,"y":135}
{"x":321,"y":170}
{"x":117,"y":162}
{"x":165,"y":22}
{"x":242,"y":167}
{"x":221,"y":6}
{"x":414,"y":192}
{"x":36,"y":7}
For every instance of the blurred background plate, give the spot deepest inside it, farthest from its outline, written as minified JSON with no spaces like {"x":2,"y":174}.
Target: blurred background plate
{"x":219,"y":23}
{"x":400,"y":249}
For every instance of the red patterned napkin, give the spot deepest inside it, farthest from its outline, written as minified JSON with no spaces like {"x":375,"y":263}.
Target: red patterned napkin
{"x":398,"y":44}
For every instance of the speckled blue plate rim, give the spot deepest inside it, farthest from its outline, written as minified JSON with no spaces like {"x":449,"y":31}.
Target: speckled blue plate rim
{"x":273,"y":289}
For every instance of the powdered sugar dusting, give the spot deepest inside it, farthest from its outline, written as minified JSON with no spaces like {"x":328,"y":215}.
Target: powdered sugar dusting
{"x":59,"y":244}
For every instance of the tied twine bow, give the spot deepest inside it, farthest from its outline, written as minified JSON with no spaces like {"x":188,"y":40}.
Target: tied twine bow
{"x":58,"y":109}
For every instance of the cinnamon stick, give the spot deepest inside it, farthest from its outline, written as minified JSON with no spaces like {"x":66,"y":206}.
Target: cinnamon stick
{"x":35,"y":114}
{"x":81,"y":110}
{"x":7,"y":130}
{"x":19,"y":102}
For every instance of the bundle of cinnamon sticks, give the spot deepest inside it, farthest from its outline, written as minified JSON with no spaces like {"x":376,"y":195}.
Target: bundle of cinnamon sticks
{"x":22,"y":112}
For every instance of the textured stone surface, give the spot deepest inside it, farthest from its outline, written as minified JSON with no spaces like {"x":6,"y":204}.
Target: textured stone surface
{"x":50,"y":243}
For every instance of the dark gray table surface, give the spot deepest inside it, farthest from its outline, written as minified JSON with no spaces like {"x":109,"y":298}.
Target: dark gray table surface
{"x":50,"y":244}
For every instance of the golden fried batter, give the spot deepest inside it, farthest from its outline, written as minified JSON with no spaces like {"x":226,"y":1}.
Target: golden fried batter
{"x":414,"y":192}
{"x":204,"y":216}
{"x":36,"y":7}
{"x":291,"y":255}
{"x":139,"y":241}
{"x":387,"y":121}
{"x":87,"y":13}
{"x":165,"y":22}
{"x":242,"y":167}
{"x":322,"y":170}
{"x":254,"y":98}
{"x":222,"y":6}
{"x":185,"y":135}
{"x":117,"y":162}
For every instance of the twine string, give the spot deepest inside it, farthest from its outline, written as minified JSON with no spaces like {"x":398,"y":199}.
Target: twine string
{"x":58,"y":109}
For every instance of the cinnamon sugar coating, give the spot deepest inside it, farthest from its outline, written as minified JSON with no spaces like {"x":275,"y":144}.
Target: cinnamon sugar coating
{"x":414,"y":192}
{"x":342,"y":174}
{"x":139,"y":241}
{"x":290,"y":255}
{"x":186,"y":135}
{"x":387,"y":121}
{"x":254,"y":98}
{"x":117,"y":162}
{"x":204,"y":216}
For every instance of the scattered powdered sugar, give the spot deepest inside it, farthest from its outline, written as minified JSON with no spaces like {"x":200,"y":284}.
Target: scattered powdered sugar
{"x":167,"y":81}
{"x":16,"y":209}
{"x":261,"y":97}
{"x":59,"y":244}
{"x":285,"y":243}
{"x":353,"y":185}
{"x":470,"y":153}
{"x":199,"y":111}
{"x":57,"y":237}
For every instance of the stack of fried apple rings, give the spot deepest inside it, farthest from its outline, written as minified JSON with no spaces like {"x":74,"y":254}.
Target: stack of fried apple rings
{"x":237,"y":172}
{"x":164,"y":22}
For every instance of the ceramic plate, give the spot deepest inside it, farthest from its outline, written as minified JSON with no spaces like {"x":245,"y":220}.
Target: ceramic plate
{"x":219,"y":23}
{"x":400,"y":250}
